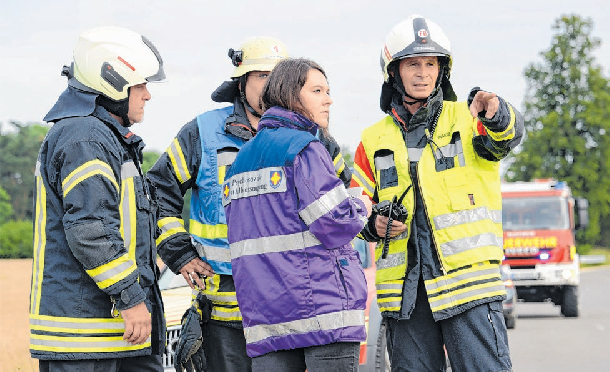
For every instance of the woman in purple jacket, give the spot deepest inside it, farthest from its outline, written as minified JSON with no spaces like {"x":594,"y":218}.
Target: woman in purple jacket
{"x":299,"y":282}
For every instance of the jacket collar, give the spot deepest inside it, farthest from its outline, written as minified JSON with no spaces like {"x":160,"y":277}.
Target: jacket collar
{"x":74,"y":102}
{"x":278,"y":117}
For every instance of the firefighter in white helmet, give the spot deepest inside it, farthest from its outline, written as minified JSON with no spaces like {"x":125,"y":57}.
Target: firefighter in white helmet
{"x":95,"y":303}
{"x":432,"y":167}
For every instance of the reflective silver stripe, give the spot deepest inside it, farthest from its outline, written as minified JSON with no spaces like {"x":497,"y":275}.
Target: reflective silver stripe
{"x":384,"y":162}
{"x":37,"y":171}
{"x":272,"y":244}
{"x":226,"y":158}
{"x":82,"y":342}
{"x":129,"y":170}
{"x":456,"y":296}
{"x":393,"y":260}
{"x":445,"y":283}
{"x":123,"y":267}
{"x":389,"y":286}
{"x":67,"y":325}
{"x":128,"y":225}
{"x":218,"y":298}
{"x":363,"y":181}
{"x":415,"y":153}
{"x":468,"y":216}
{"x":450,"y":150}
{"x":176,"y":154}
{"x":464,"y":244}
{"x":389,"y":304}
{"x":75,"y":178}
{"x":269,"y":59}
{"x":323,"y":205}
{"x":171,"y":225}
{"x":225,"y":314}
{"x":323,"y":322}
{"x":213,"y":253}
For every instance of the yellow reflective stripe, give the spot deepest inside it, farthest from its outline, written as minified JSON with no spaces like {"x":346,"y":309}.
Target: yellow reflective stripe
{"x":112,"y":272}
{"x":462,"y":277}
{"x":83,"y":344}
{"x":128,"y":227}
{"x":465,"y":295}
{"x":176,"y":156}
{"x":363,"y":181}
{"x":89,"y":169}
{"x":222,"y":172}
{"x":339,"y":164}
{"x":169,"y":226}
{"x":40,"y":240}
{"x":509,"y":132}
{"x":207,"y":231}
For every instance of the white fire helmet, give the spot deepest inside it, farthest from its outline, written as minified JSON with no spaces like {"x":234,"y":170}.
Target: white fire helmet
{"x":415,"y":36}
{"x":109,"y":60}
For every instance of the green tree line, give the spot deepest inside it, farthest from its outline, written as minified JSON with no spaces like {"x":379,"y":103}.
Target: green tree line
{"x":567,"y":119}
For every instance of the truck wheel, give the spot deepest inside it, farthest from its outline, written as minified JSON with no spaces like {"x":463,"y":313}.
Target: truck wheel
{"x":510,"y":321}
{"x":569,"y":303}
{"x":382,"y":358}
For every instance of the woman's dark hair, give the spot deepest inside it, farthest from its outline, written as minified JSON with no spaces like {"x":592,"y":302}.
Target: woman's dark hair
{"x":283,"y":87}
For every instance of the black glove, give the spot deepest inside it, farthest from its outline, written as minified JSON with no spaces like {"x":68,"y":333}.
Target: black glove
{"x":189,"y":353}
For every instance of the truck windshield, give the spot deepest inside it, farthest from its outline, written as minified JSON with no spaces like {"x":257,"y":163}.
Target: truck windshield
{"x":537,"y":213}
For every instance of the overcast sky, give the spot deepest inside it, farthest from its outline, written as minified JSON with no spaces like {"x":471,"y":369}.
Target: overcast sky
{"x":492,"y":42}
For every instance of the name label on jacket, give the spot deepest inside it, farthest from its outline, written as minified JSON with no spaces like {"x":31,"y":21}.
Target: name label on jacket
{"x":258,"y":182}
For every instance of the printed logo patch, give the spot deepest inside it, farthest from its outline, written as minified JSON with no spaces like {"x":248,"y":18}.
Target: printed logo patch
{"x":275,"y":178}
{"x":253,"y":183}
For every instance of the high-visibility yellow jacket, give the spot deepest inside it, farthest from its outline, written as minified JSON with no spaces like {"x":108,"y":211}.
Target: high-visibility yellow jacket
{"x":461,"y":194}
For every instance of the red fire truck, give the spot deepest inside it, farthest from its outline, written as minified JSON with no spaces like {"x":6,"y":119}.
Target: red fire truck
{"x":540,"y":219}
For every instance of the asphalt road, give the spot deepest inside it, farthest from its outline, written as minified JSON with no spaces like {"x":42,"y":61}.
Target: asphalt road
{"x":544,"y":341}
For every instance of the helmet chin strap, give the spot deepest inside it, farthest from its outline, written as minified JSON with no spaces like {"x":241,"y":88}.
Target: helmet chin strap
{"x":242,"y":95}
{"x":118,"y":108}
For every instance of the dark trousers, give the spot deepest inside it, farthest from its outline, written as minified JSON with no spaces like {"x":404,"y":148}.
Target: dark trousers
{"x":148,"y":363}
{"x":476,"y":340}
{"x":337,"y":357}
{"x":225,"y":349}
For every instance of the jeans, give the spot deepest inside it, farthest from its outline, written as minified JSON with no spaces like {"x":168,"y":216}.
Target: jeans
{"x":225,"y":349}
{"x":148,"y":363}
{"x":476,"y":340}
{"x":337,"y":357}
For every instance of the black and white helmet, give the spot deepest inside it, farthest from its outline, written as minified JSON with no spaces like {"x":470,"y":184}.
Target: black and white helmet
{"x":415,"y":36}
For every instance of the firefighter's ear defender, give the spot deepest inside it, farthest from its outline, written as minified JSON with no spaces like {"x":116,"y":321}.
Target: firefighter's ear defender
{"x":394,"y":210}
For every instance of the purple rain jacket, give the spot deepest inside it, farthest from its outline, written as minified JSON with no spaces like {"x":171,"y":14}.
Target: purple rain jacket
{"x":290,"y":221}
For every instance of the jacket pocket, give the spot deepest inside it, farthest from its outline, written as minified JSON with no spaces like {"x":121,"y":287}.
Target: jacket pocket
{"x":352,"y":278}
{"x":386,"y":169}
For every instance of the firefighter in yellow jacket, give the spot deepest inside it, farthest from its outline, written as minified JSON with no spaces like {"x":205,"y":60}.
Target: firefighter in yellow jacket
{"x":432,"y":167}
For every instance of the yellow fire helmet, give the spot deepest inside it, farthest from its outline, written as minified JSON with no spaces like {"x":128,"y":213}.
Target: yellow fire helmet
{"x":415,"y":36}
{"x":109,"y":60}
{"x":257,"y":54}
